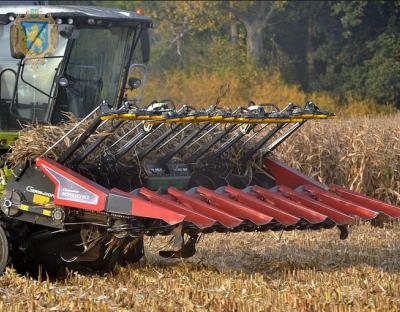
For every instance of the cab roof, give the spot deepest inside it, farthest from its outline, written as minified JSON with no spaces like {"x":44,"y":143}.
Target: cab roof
{"x":76,"y":12}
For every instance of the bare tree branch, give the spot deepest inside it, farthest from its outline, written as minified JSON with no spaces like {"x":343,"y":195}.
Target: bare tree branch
{"x":263,"y":15}
{"x":243,"y":17}
{"x":257,"y":12}
{"x":262,"y":8}
{"x":269,"y":14}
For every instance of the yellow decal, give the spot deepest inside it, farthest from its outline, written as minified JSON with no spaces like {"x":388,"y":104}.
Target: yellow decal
{"x":24,"y":207}
{"x":40,"y":199}
{"x":46,"y":212}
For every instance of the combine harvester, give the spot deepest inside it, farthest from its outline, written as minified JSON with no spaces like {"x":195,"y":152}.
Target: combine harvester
{"x":131,"y":171}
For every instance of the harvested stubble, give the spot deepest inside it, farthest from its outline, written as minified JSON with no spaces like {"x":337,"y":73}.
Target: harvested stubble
{"x":298,"y":271}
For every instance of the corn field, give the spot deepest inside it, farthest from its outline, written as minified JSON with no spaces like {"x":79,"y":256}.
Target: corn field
{"x":361,"y":153}
{"x":272,"y":271}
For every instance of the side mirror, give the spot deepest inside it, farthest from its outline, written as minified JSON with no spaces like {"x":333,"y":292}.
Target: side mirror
{"x":145,"y":44}
{"x":17,"y":42}
{"x":134,"y":83}
{"x":134,"y":86}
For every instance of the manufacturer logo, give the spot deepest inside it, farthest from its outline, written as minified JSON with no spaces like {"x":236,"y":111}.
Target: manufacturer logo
{"x":74,"y":195}
{"x":35,"y":35}
{"x":31,"y":189}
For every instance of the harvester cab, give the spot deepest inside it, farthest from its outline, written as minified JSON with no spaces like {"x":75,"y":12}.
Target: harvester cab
{"x":124,"y":171}
{"x":56,"y":59}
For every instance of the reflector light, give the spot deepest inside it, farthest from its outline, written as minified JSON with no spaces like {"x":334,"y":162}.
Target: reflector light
{"x":139,"y":11}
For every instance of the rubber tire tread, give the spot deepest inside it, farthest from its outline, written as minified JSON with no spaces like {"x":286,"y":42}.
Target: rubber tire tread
{"x":4,"y":250}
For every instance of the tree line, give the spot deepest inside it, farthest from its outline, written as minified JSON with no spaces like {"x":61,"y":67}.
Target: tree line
{"x":347,"y":48}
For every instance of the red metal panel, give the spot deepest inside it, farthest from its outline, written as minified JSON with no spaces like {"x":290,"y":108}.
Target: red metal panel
{"x":289,"y":206}
{"x":368,"y":202}
{"x":340,"y":203}
{"x":285,"y":175}
{"x":146,"y":209}
{"x":233,"y":207}
{"x":251,"y":200}
{"x":196,"y":218}
{"x":48,"y":165}
{"x":307,"y":201}
{"x":204,"y":208}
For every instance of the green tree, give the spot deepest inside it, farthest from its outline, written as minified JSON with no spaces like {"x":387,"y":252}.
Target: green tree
{"x":343,"y":47}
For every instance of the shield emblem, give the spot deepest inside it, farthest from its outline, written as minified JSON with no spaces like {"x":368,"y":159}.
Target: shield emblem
{"x":35,"y":36}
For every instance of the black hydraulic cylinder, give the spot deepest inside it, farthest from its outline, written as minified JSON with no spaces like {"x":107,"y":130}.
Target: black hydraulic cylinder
{"x":126,"y":148}
{"x":157,"y":142}
{"x":78,"y":143}
{"x":261,"y":142}
{"x":184,"y":142}
{"x":287,"y":134}
{"x":231,"y":142}
{"x":210,"y":144}
{"x":80,"y":158}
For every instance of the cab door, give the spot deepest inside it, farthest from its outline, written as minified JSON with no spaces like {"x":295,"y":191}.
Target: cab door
{"x":8,"y":80}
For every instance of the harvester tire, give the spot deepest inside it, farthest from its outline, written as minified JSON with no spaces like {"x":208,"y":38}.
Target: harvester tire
{"x":4,"y":250}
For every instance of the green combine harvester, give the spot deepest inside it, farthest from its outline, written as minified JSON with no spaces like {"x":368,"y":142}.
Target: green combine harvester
{"x":29,"y":87}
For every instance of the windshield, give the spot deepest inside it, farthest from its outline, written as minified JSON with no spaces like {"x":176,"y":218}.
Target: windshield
{"x":94,"y":69}
{"x":93,"y":61}
{"x":36,"y":85}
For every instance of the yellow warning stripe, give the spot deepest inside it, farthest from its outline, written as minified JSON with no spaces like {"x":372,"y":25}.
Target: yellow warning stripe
{"x":216,"y":119}
{"x":24,"y":207}
{"x":45,"y":212}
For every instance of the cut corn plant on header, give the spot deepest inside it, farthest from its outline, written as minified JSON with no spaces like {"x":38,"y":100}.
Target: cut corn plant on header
{"x":86,"y":190}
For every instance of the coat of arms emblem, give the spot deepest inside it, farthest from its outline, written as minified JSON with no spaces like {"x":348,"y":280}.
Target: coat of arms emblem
{"x":35,"y":36}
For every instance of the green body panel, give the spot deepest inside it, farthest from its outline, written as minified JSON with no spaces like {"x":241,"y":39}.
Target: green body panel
{"x":7,"y":138}
{"x":5,"y":173}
